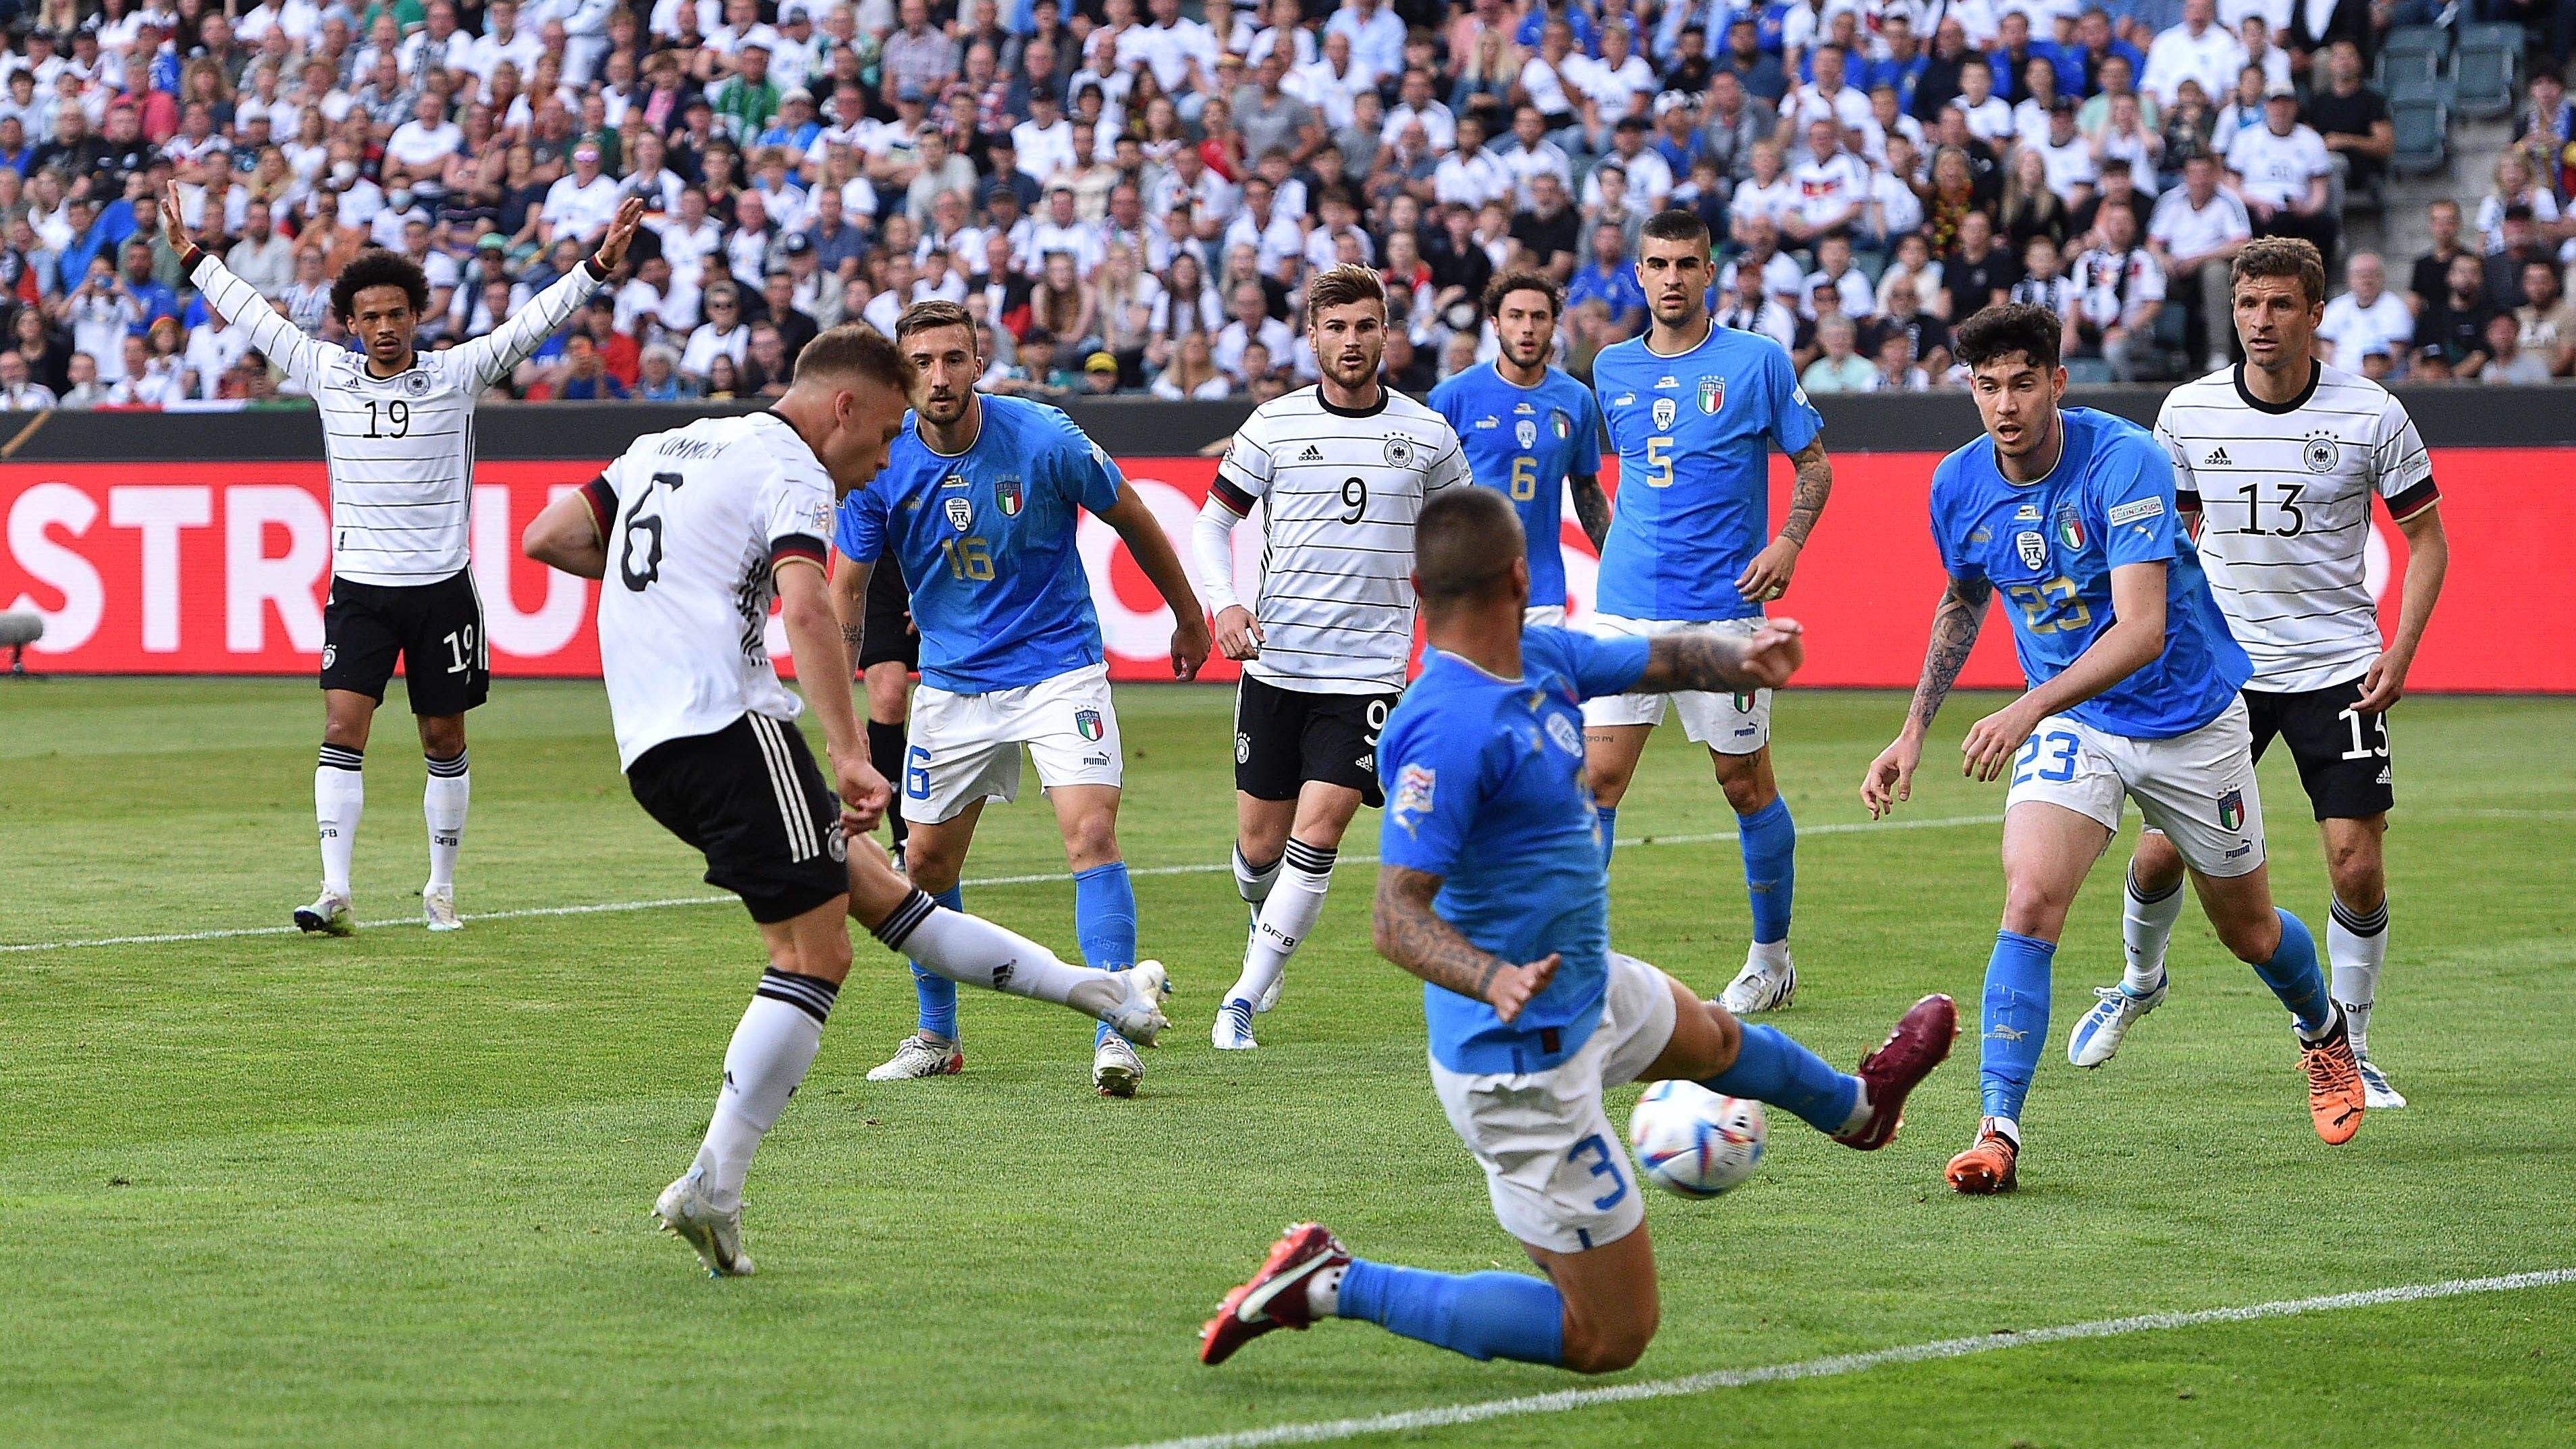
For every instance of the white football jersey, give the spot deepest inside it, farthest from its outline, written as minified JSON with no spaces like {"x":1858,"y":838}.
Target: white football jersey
{"x":1339,"y":492}
{"x":695,"y":521}
{"x":2284,"y":498}
{"x":400,"y":448}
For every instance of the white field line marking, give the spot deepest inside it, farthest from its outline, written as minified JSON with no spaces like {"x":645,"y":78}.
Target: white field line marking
{"x":1567,"y":1400}
{"x":1850,"y":827}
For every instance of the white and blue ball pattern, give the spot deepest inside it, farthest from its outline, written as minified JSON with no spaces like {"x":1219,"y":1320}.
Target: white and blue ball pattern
{"x":1696,"y":1143}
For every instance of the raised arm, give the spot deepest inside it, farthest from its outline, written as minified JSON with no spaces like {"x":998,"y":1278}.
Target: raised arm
{"x":1407,"y":932}
{"x":240,"y":304}
{"x":490,"y":358}
{"x":1143,"y":533}
{"x":1955,"y":622}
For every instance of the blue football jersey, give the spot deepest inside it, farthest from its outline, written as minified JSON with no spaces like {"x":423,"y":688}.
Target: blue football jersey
{"x":2049,"y":548}
{"x":1526,"y":441}
{"x":1484,"y":788}
{"x":986,"y":540}
{"x":1694,"y":436}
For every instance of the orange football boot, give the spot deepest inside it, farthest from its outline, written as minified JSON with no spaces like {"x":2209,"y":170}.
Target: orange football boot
{"x":2336,"y":1097}
{"x":1987,"y":1167}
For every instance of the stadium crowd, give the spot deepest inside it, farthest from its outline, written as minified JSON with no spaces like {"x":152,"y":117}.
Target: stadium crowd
{"x":1130,"y":202}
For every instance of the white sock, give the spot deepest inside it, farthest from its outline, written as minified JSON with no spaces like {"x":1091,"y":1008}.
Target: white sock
{"x":1253,"y":882}
{"x":2005,"y":1127}
{"x":972,"y":951}
{"x":770,"y":1052}
{"x":1772,"y":956}
{"x":442,"y":804}
{"x":1286,"y":917}
{"x":2357,"y":945}
{"x":339,"y":798}
{"x":1324,"y":1292}
{"x":2146,"y":929}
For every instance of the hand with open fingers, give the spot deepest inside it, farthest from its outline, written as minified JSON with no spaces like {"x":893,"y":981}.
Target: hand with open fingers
{"x":1988,"y":750}
{"x":1891,"y":777}
{"x":1514,"y":986}
{"x":1767,"y":577}
{"x":2382,"y":685}
{"x":1238,"y":634}
{"x":1190,"y":644}
{"x":612,"y":247}
{"x":1773,"y":652}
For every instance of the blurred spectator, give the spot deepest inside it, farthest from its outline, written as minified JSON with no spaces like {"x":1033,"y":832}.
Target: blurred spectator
{"x":2119,"y":289}
{"x":2352,"y":118}
{"x":2546,"y":322}
{"x":2452,"y":332}
{"x":17,"y":392}
{"x":2507,"y":362}
{"x":2281,"y":170}
{"x":2366,"y":314}
{"x":1840,"y":368}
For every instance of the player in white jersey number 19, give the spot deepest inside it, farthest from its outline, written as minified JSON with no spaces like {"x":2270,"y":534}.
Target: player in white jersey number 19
{"x":398,"y":434}
{"x":2278,"y":461}
{"x":1341,"y":471}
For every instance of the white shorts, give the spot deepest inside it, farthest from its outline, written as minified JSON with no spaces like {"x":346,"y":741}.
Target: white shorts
{"x":2199,"y":788}
{"x":1557,"y":1171}
{"x":1543,"y":616}
{"x":1730,"y":724}
{"x":966,"y":747}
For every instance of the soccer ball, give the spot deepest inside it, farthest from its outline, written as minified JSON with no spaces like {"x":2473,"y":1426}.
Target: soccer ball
{"x":1693,"y":1142}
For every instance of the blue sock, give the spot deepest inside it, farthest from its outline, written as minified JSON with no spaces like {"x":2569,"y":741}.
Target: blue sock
{"x":2293,"y":975}
{"x":1769,"y":839}
{"x":1770,"y":1067}
{"x":1482,"y":1315}
{"x":1104,"y":921}
{"x":1607,"y":830}
{"x":938,"y":994}
{"x":2015,"y":1029}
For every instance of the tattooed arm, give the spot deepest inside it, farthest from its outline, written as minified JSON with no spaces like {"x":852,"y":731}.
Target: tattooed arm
{"x":1767,"y":577}
{"x":1592,"y":510}
{"x":850,"y":598}
{"x":1721,"y":664}
{"x":1954,"y":633}
{"x":1407,"y":933}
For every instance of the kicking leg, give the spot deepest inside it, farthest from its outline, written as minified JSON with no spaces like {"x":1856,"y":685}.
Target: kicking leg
{"x":339,"y":799}
{"x":1710,"y":1047}
{"x":2357,"y":936}
{"x":2047,"y":851}
{"x":1769,"y":841}
{"x":442,"y":806}
{"x":2150,"y":903}
{"x":1323,"y":813}
{"x":2277,"y":945}
{"x":1610,"y":755}
{"x":772,"y":1048}
{"x":1594,"y":1312}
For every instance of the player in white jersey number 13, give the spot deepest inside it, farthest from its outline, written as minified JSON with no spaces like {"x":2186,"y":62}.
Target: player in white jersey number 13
{"x":1341,"y":471}
{"x":693,"y":533}
{"x":398,"y":434}
{"x":2277,"y":461}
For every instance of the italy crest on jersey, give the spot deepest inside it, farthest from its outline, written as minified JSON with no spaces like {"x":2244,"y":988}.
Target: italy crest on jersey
{"x":961,"y":513}
{"x":2070,"y":527}
{"x":1007,"y":492}
{"x":1086,"y":722}
{"x":1712,"y":394}
{"x":1526,"y":432}
{"x":1561,"y":423}
{"x":2231,"y":810}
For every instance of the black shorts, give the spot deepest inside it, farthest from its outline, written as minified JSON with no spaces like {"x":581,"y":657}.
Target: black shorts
{"x":1285,"y":737}
{"x":2342,"y":755}
{"x":890,"y":638}
{"x":436,"y":629}
{"x":749,"y":798}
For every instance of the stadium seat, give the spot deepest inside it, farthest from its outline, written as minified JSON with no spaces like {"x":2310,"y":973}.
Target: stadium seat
{"x":2489,"y":66}
{"x":2412,"y":53}
{"x":2422,"y":124}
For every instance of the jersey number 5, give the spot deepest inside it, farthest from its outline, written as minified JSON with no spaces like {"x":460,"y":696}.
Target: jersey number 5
{"x":1659,"y":462}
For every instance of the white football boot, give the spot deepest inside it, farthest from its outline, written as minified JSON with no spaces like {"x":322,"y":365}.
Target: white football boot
{"x":2379,"y":1096}
{"x":1233,"y":1029}
{"x":2099,"y":1033}
{"x":328,"y":916}
{"x":919,"y":1056}
{"x":1758,"y":987}
{"x":1139,"y":1018}
{"x":438,"y":908}
{"x":716,"y":1237}
{"x":1115,"y":1067}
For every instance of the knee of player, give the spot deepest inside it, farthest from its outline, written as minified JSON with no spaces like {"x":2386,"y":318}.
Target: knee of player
{"x":1608,"y":782}
{"x":1748,"y":794}
{"x":442,"y":738}
{"x":1606,"y":1348}
{"x":2355,"y":870}
{"x":2156,"y":865}
{"x":2034,"y":907}
{"x":1092,"y":840}
{"x":2252,"y":938}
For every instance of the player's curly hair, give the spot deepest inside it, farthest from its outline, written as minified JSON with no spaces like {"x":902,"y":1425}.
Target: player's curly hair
{"x":1523,"y":279}
{"x":2005,"y":328}
{"x":2282,"y":256}
{"x":377,"y":267}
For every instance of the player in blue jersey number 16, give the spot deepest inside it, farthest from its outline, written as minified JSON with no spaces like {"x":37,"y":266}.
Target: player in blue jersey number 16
{"x":1694,"y":409}
{"x":2132,"y":696}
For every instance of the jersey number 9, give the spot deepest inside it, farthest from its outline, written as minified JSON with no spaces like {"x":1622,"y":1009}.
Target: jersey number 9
{"x":968,"y":558}
{"x":1355,"y":498}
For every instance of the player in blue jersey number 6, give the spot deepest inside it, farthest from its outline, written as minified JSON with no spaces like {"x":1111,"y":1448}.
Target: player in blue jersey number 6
{"x":1694,"y":409}
{"x":2132,"y":695}
{"x":979,"y":500}
{"x":1491,"y":890}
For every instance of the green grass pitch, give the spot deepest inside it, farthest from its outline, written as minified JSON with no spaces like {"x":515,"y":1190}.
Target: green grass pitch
{"x":268,"y":1190}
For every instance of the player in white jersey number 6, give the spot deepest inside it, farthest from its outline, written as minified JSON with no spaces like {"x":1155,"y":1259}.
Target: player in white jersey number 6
{"x":1341,"y":470}
{"x":693,"y":533}
{"x":2276,"y":463}
{"x":398,"y":435}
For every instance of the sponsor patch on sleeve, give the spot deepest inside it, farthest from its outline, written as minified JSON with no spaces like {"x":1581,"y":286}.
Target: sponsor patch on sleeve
{"x":2136,"y":511}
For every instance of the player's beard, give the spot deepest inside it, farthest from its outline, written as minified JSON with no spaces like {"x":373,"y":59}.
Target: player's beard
{"x":1354,"y":376}
{"x":942,"y":412}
